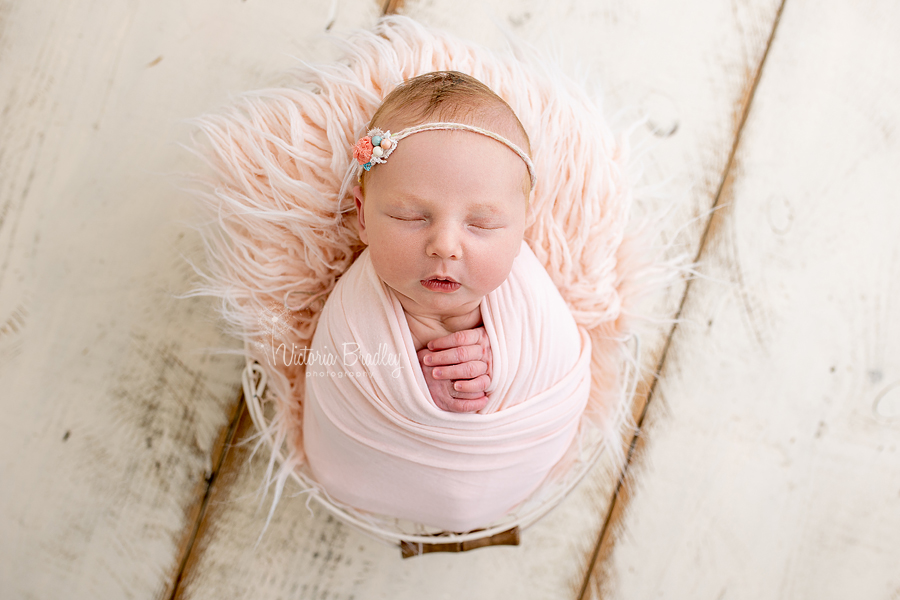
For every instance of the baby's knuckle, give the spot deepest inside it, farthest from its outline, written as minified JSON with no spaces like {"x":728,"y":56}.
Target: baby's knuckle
{"x":460,"y":354}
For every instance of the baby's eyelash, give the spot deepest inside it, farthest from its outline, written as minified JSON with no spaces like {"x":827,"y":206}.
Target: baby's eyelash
{"x":486,"y":226}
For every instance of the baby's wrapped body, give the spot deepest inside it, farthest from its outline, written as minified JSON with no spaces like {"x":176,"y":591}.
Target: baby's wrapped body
{"x":376,"y":441}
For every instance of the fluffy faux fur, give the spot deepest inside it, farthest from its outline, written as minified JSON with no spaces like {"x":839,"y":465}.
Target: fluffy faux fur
{"x":282,"y":233}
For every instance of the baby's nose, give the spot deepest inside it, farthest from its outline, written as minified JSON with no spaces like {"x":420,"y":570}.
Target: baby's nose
{"x":444,"y":243}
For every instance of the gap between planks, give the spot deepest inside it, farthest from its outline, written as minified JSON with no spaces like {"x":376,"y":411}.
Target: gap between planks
{"x":220,"y":451}
{"x":620,"y":496}
{"x":391,"y":7}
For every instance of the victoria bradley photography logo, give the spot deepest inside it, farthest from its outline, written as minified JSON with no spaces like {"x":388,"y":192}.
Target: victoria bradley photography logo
{"x":335,"y":364}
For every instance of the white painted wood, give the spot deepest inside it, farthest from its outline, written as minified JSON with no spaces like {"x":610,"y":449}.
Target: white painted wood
{"x":771,"y":464}
{"x":306,"y":553}
{"x":691,"y":65}
{"x":110,"y":403}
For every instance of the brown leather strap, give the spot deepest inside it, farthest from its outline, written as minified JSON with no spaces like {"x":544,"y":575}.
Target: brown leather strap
{"x":510,"y":537}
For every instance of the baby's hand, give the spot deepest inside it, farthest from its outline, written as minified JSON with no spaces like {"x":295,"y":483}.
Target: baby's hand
{"x":457,"y":370}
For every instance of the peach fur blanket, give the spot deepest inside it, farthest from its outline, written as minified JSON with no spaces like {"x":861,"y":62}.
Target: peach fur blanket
{"x":376,"y":441}
{"x":279,"y":232}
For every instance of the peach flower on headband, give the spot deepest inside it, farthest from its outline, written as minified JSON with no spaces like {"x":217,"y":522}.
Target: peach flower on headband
{"x":362,"y":151}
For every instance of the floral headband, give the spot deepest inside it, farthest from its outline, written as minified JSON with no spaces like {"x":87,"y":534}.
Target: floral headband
{"x":374,"y":148}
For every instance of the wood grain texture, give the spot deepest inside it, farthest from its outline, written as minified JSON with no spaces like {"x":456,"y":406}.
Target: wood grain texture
{"x":113,"y":406}
{"x":770,"y":464}
{"x":689,"y":69}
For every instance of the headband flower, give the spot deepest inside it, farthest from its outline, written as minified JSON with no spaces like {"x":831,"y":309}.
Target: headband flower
{"x":373,"y":148}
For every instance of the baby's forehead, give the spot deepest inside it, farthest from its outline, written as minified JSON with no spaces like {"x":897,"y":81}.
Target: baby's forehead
{"x":494,"y":156}
{"x":488,"y":190}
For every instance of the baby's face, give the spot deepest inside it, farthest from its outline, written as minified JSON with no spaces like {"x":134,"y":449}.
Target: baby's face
{"x":444,"y":218}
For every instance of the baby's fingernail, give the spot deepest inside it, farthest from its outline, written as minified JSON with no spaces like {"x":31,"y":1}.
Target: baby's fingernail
{"x":436,"y":373}
{"x":457,"y":386}
{"x":427,"y":360}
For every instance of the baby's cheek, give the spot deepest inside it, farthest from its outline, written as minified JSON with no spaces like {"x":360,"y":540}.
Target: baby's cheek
{"x":496,"y":271}
{"x":389,"y":253}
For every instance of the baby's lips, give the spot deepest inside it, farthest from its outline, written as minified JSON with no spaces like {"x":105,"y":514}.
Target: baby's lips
{"x":440,"y":278}
{"x":440,"y":285}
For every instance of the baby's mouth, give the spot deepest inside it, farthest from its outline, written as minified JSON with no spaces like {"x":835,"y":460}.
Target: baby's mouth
{"x":440,"y":284}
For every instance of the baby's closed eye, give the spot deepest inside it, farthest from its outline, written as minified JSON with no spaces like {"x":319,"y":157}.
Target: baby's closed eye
{"x":486,"y":225}
{"x":408,"y":218}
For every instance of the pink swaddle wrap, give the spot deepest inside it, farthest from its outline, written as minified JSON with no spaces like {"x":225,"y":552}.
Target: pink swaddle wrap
{"x":374,"y":438}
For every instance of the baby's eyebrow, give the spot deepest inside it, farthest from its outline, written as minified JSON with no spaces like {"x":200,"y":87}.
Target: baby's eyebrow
{"x":485,"y":210}
{"x":404,"y":199}
{"x":408,"y":202}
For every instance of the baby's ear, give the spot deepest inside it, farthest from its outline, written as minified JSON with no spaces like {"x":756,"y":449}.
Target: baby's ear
{"x":360,"y":200}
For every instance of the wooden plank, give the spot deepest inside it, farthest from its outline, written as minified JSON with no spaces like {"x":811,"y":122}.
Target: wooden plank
{"x":114,"y":411}
{"x":770,"y":465}
{"x":691,"y":68}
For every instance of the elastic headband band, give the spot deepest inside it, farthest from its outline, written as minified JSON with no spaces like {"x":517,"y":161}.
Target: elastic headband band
{"x":374,"y":148}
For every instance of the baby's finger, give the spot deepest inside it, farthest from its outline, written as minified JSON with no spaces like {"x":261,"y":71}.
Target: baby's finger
{"x":466,"y":370}
{"x":466,"y":406}
{"x":471,"y":386}
{"x":466,"y":337}
{"x":454,"y":356}
{"x":463,"y":396}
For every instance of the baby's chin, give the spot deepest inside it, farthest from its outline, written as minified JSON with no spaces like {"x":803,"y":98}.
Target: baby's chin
{"x":437,"y":304}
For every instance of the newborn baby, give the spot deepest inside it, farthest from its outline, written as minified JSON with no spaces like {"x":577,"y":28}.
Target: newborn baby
{"x":448,"y":376}
{"x":443,"y":220}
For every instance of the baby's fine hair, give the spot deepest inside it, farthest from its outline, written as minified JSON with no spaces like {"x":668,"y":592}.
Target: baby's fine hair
{"x":448,"y":96}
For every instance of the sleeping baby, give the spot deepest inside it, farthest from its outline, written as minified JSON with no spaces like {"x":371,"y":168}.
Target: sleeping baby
{"x":444,"y":226}
{"x":458,"y":375}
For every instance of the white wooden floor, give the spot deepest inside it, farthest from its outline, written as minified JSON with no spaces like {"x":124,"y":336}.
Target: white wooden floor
{"x":767,"y":464}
